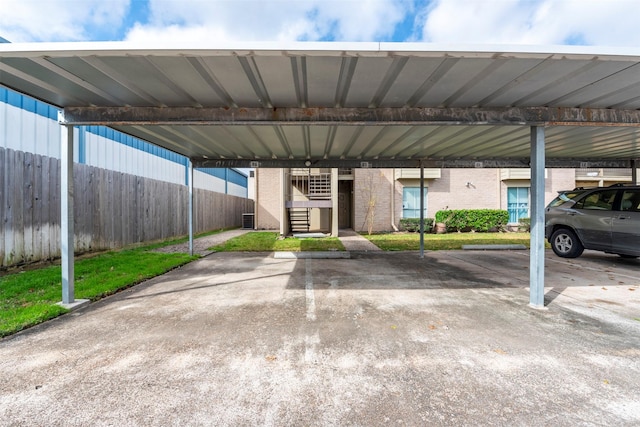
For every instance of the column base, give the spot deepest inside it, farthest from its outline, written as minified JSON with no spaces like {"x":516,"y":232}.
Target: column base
{"x":79,"y":303}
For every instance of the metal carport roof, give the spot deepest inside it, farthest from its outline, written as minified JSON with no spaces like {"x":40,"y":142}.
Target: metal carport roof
{"x":342,"y":104}
{"x":268,"y":101}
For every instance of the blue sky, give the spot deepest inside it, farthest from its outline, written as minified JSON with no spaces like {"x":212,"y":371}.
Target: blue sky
{"x":533,"y":22}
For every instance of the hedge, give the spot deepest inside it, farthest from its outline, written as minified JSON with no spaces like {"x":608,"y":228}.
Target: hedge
{"x":473,"y":219}
{"x":412,"y":225}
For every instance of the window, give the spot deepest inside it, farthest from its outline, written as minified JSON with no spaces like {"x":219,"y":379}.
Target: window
{"x":630,"y":201}
{"x":411,"y":202}
{"x":598,"y":200}
{"x":517,"y":203}
{"x":564,"y":197}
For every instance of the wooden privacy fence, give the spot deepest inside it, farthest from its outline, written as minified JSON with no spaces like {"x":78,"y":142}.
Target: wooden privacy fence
{"x":111,"y":209}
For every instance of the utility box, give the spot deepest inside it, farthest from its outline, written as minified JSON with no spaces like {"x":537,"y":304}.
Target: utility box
{"x":247,"y":221}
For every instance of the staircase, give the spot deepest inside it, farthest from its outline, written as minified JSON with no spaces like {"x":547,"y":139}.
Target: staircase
{"x":308,"y":188}
{"x":299,"y":220}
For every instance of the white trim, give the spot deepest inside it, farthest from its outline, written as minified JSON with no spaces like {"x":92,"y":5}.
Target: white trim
{"x":275,"y":48}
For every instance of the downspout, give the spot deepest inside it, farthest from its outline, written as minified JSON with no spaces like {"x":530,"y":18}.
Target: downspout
{"x":393,"y":202}
{"x":499,"y":189}
{"x":256,"y":198}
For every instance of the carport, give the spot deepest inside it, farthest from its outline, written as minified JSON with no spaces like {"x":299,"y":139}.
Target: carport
{"x":344,"y":105}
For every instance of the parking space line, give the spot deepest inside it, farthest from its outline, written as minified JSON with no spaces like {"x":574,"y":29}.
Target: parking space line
{"x":309,"y":292}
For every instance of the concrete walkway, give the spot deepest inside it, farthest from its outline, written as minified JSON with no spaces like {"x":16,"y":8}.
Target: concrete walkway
{"x":353,"y":241}
{"x":201,"y":245}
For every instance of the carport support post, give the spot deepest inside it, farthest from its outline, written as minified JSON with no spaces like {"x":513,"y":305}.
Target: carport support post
{"x":634,"y":172}
{"x":66,"y":212}
{"x":421,"y":210}
{"x":190,"y":185}
{"x":334,"y":202}
{"x":536,"y":267}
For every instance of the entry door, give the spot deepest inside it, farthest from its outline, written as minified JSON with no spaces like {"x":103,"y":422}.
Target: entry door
{"x":344,"y":204}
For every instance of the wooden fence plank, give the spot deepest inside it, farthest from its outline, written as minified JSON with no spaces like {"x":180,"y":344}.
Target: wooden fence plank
{"x":27,"y":207}
{"x":37,"y":207}
{"x":17,"y":206}
{"x":46,"y":221}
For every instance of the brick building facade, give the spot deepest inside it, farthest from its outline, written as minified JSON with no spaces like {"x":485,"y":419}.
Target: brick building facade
{"x":379,"y":198}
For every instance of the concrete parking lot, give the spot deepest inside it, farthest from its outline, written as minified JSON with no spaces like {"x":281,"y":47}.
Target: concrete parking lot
{"x":378,"y":339}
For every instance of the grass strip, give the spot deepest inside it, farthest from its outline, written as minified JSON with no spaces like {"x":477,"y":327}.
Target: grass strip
{"x":267,"y":241}
{"x":29,"y":297}
{"x":448,"y":241}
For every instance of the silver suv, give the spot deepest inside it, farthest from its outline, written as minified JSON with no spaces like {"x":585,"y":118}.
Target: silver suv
{"x":604,"y":219}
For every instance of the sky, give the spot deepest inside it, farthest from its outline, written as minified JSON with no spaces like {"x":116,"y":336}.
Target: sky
{"x":522,"y":22}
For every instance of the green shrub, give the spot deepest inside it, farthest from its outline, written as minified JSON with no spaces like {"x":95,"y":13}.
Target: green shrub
{"x":412,"y":225}
{"x":473,"y":219}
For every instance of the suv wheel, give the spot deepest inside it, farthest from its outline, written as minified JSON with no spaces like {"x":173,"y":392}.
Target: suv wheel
{"x":566,"y":244}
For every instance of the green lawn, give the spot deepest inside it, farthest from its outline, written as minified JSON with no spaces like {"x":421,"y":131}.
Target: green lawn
{"x":29,"y":297}
{"x":267,"y":241}
{"x":447,"y":241}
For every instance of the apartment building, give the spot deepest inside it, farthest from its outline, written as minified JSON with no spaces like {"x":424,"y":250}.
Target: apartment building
{"x":326,"y":200}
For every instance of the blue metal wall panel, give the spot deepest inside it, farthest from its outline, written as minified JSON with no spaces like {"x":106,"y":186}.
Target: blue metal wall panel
{"x":217,"y":172}
{"x":237,"y":178}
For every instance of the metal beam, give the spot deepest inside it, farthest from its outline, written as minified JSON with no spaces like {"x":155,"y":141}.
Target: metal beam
{"x":536,"y":262}
{"x":538,"y":116}
{"x":408,"y":163}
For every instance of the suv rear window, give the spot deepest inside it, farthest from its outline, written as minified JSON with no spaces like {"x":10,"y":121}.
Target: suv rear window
{"x":564,"y":197}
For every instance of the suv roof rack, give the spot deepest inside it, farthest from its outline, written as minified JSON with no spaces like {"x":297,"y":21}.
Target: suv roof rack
{"x":621,"y":184}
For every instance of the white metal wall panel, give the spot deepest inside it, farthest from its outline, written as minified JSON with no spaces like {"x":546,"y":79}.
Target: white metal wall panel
{"x":208,"y":182}
{"x":108,"y":154}
{"x":23,"y":130}
{"x":236,"y":190}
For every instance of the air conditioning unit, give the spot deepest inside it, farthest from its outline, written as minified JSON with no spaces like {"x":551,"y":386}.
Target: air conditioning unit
{"x":248,"y":221}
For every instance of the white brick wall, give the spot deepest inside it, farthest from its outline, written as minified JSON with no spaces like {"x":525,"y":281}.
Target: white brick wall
{"x":268,"y":205}
{"x":375,"y":187}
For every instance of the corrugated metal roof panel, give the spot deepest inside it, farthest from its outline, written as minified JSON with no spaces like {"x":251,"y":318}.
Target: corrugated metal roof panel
{"x":329,"y":75}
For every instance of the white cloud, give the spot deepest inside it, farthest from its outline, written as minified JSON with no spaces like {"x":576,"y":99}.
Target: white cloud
{"x":591,"y":22}
{"x":253,"y":20}
{"x":59,"y":20}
